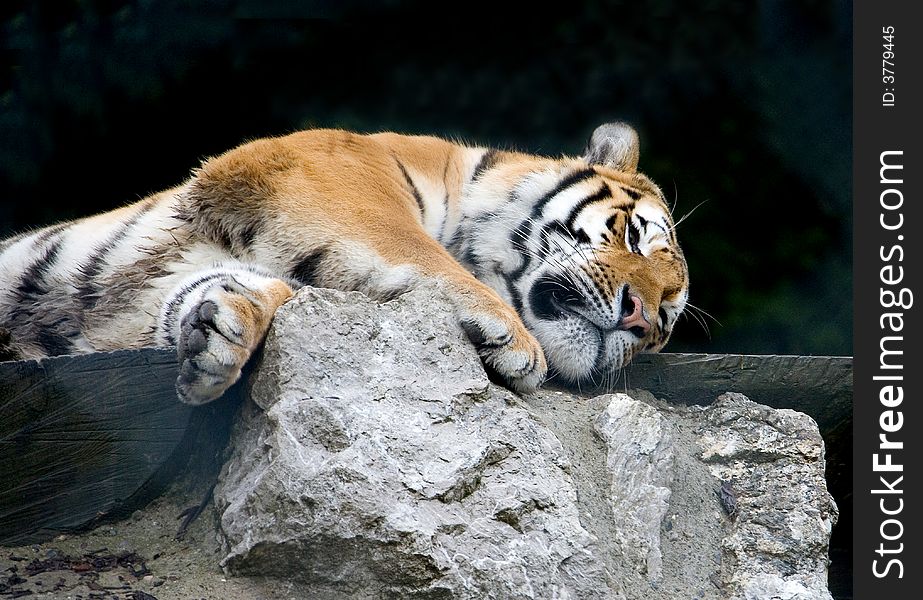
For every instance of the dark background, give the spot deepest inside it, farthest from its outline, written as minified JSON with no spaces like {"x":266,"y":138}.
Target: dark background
{"x":744,"y":112}
{"x":742,"y":107}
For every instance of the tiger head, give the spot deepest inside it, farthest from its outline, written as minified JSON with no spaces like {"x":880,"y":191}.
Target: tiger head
{"x":590,"y":258}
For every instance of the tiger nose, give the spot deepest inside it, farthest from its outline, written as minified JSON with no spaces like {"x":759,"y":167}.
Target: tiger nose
{"x":632,"y":318}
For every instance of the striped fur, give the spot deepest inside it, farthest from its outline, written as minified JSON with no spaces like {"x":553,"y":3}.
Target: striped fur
{"x":573,"y":259}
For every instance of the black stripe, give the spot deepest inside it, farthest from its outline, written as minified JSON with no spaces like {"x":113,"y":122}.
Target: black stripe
{"x":445,"y":201}
{"x":445,"y":218}
{"x":184,"y":213}
{"x":601,"y":193}
{"x":245,"y":236}
{"x":470,"y":259}
{"x":558,"y":227}
{"x":488,"y":161}
{"x":53,"y":343}
{"x":413,"y":189}
{"x":32,"y":282}
{"x":505,"y":340}
{"x":236,"y":241}
{"x":634,"y":237}
{"x":477,"y":337}
{"x":514,"y":293}
{"x":545,"y":237}
{"x":7,"y":351}
{"x":88,"y":291}
{"x":305,"y":269}
{"x":554,"y":227}
{"x":455,"y":241}
{"x":569,"y":181}
{"x":524,"y":229}
{"x":223,"y":237}
{"x":537,"y":208}
{"x":177,"y":300}
{"x":169,"y":317}
{"x":631,"y":193}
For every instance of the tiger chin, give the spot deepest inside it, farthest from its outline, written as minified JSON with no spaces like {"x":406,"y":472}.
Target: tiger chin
{"x":562,"y":264}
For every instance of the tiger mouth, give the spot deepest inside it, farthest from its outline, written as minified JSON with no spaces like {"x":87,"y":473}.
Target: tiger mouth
{"x":577,"y":346}
{"x":555,"y":297}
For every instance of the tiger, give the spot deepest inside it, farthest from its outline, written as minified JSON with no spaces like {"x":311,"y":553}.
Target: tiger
{"x":566,"y":266}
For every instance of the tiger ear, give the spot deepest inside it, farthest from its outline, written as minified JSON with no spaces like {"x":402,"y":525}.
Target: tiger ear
{"x":613,"y":145}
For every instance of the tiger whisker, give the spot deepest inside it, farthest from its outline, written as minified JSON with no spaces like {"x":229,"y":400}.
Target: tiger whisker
{"x":702,"y":311}
{"x":687,"y":215}
{"x":698,"y":319}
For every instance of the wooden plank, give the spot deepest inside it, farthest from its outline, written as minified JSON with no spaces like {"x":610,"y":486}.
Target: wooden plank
{"x":820,"y":386}
{"x":83,"y":437}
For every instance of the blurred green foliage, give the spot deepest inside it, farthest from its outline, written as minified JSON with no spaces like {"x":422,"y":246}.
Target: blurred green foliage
{"x":743,"y":108}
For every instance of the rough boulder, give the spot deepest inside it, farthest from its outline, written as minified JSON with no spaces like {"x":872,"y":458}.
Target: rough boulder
{"x":377,"y":460}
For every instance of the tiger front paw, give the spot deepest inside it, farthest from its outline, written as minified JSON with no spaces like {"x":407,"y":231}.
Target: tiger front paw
{"x":217,"y":337}
{"x":507,"y":347}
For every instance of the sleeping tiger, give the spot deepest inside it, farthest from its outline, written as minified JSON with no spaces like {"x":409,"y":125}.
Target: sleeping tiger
{"x":573,"y":260}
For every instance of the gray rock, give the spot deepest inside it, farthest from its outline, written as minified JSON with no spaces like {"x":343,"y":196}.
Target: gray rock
{"x":639,"y":461}
{"x":377,"y":460}
{"x":385,"y":464}
{"x":772,"y":461}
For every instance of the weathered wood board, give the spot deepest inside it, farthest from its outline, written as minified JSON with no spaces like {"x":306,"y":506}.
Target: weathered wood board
{"x":820,"y":386}
{"x":87,"y":437}
{"x":82,"y":437}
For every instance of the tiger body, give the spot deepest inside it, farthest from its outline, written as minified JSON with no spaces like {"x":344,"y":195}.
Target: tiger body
{"x":570,"y":258}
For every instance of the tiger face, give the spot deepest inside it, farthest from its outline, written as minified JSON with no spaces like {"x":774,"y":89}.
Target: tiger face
{"x":594,"y":269}
{"x":611,"y":284}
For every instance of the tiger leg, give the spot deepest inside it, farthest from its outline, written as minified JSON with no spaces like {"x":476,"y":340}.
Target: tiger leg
{"x":216,"y":319}
{"x":496,"y":330}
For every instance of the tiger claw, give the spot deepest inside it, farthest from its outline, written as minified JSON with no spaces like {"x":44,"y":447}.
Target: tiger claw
{"x":509,"y":350}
